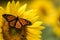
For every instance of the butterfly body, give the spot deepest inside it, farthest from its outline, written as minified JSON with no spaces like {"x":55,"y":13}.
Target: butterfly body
{"x":16,"y":22}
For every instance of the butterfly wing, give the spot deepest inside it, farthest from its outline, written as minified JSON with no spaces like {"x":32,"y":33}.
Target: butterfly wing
{"x":9,"y":17}
{"x":24,"y":22}
{"x":18,"y":25}
{"x":12,"y":23}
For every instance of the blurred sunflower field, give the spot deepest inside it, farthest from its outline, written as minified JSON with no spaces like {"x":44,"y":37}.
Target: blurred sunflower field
{"x":44,"y":16}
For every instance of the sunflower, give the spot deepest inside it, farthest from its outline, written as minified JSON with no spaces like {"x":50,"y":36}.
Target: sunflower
{"x":46,"y":11}
{"x":33,"y":32}
{"x":56,"y":25}
{"x":48,"y":14}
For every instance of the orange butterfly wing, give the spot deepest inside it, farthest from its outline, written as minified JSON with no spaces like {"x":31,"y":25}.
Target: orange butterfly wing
{"x":12,"y":23}
{"x":16,"y":22}
{"x":18,"y":25}
{"x":24,"y":22}
{"x":9,"y":17}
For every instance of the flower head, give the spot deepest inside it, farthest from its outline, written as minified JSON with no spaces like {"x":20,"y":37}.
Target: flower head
{"x":48,"y":14}
{"x":46,"y":11}
{"x":32,"y":31}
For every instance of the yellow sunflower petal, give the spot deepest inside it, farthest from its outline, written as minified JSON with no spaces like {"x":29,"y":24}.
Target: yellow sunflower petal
{"x":17,"y":5}
{"x":22,"y":10}
{"x":31,"y":18}
{"x":13,"y":8}
{"x":8,"y":7}
{"x":13,"y":3}
{"x":27,"y":14}
{"x":0,"y":30}
{"x":33,"y":36}
{"x":36,"y":18}
{"x":36,"y":25}
{"x":34,"y":31}
{"x":1,"y":37}
{"x":29,"y":35}
{"x":2,"y":11}
{"x":30,"y":38}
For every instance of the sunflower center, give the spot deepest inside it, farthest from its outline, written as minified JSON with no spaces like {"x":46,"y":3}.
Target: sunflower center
{"x":11,"y":33}
{"x":59,"y":21}
{"x":43,"y":11}
{"x":14,"y":31}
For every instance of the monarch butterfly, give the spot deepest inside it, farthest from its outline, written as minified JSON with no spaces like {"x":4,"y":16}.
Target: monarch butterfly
{"x":16,"y":22}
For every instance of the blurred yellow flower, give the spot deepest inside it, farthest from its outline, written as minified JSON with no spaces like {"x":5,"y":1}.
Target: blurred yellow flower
{"x":56,"y":25}
{"x":48,"y":14}
{"x":34,"y":30}
{"x":46,"y":11}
